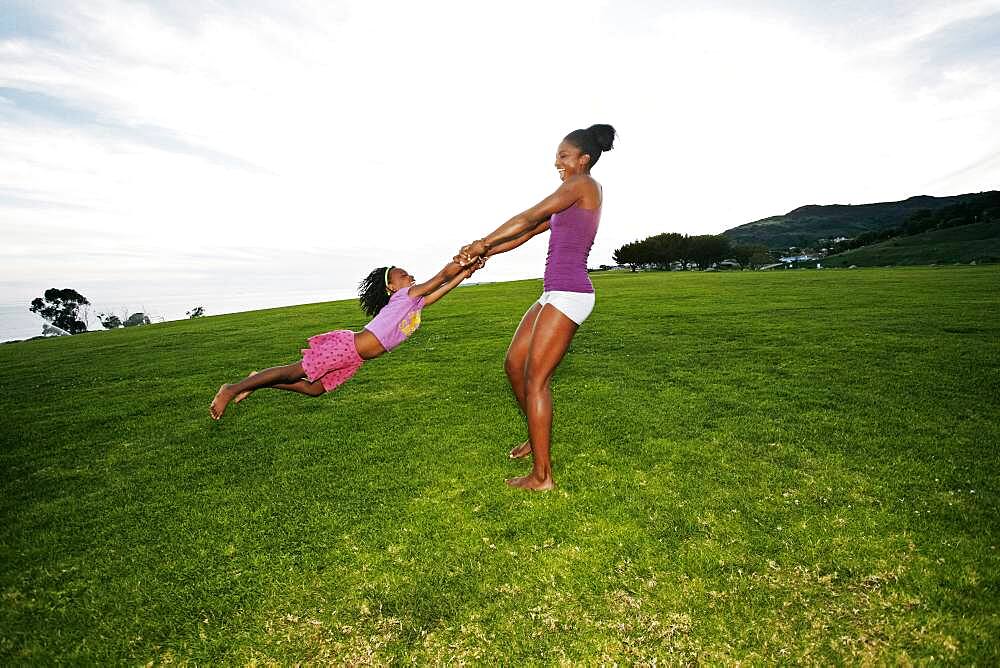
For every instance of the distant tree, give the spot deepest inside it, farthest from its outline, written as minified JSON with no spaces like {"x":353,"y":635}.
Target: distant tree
{"x":705,"y":249}
{"x":678,"y":246}
{"x":135,"y":320}
{"x":662,"y":249}
{"x":751,"y":255}
{"x":645,"y":251}
{"x":919,"y":221}
{"x":618,"y":255}
{"x":652,"y":251}
{"x":109,"y":320}
{"x":742,"y":253}
{"x":196,"y":312}
{"x":628,"y":255}
{"x":761,"y":259}
{"x":61,"y":308}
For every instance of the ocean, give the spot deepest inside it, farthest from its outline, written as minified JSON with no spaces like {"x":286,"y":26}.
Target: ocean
{"x":18,"y":322}
{"x":230,"y":283}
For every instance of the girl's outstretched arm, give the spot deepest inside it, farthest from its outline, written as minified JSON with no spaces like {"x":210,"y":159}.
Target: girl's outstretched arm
{"x":450,"y":271}
{"x":453,"y":283}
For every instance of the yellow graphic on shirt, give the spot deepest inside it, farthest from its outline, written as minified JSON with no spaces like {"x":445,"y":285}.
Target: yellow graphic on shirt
{"x":409,"y":324}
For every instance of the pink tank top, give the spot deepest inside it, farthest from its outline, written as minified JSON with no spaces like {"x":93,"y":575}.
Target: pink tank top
{"x":397,"y":319}
{"x":572,"y":235}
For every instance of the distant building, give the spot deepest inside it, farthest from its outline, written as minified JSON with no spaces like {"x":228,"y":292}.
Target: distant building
{"x":798,"y":258}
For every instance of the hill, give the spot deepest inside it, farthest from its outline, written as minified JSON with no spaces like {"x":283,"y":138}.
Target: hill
{"x":978,"y":242}
{"x":753,"y":468}
{"x":802,"y":227}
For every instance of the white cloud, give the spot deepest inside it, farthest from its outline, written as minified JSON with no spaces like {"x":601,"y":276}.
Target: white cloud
{"x":377,"y":130}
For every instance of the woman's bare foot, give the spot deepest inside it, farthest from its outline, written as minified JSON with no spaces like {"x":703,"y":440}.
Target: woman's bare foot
{"x":246,"y":393}
{"x":219,"y":403}
{"x":520,"y":451}
{"x":532,"y":483}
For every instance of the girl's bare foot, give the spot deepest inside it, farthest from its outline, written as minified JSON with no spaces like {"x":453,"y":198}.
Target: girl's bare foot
{"x":520,"y":451}
{"x":219,"y":403}
{"x":246,"y":393}
{"x":532,"y":483}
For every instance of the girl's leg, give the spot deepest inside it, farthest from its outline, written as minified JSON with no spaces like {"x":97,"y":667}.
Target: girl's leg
{"x":245,"y":393}
{"x":514,"y":364}
{"x":279,"y":375}
{"x":549,"y":342}
{"x":306,"y":387}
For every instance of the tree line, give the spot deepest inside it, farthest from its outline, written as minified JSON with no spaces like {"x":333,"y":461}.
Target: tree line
{"x":984,"y":209}
{"x":61,"y":308}
{"x":660,"y":251}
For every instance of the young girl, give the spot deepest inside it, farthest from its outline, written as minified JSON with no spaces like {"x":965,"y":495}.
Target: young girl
{"x":391,"y":295}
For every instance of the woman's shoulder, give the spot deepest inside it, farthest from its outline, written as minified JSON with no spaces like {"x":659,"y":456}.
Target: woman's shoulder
{"x":581,"y":181}
{"x":587,"y":189}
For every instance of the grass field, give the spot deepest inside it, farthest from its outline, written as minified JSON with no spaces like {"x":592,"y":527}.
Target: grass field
{"x":799,"y":466}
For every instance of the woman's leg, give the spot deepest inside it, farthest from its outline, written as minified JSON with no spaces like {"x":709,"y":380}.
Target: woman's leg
{"x":550,"y":340}
{"x":514,"y":363}
{"x":279,"y":375}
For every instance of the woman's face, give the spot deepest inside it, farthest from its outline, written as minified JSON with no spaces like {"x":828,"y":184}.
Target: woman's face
{"x":399,"y":278}
{"x":570,"y":161}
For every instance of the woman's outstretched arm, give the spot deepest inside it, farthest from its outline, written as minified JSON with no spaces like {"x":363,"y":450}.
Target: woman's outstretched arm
{"x":511,"y":244}
{"x":570,"y":192}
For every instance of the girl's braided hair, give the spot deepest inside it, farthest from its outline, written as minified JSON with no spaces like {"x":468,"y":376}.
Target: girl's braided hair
{"x":373,"y":293}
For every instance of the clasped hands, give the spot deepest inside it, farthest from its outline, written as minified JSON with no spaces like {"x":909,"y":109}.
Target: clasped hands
{"x":472,"y":253}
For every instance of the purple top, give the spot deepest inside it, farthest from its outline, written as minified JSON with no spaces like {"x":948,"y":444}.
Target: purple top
{"x":573,"y":232}
{"x":397,"y":319}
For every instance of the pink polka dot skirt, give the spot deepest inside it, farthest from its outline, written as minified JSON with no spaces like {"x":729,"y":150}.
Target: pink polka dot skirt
{"x":331,"y":358}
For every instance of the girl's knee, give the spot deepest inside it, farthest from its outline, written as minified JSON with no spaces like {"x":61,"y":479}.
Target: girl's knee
{"x":316,"y":390}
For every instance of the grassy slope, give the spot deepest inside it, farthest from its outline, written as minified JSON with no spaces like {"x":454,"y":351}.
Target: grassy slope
{"x":799,"y":466}
{"x":977,"y":242}
{"x":805,"y":225}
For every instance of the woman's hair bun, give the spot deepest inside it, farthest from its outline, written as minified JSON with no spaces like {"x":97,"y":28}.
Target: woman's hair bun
{"x":604,"y":136}
{"x":593,"y":141}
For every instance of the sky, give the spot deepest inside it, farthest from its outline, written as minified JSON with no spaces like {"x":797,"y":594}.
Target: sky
{"x":189,"y":149}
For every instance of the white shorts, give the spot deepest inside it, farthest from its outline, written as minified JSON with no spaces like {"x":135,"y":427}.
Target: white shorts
{"x":574,"y":305}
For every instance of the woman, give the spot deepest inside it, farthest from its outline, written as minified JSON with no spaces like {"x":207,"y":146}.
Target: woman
{"x":572,"y":212}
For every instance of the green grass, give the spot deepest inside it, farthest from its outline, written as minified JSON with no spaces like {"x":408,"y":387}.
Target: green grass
{"x":977,"y":242}
{"x":762,"y":467}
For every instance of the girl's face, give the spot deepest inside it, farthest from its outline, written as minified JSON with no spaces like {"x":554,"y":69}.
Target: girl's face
{"x":570,"y":161}
{"x":399,"y":278}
